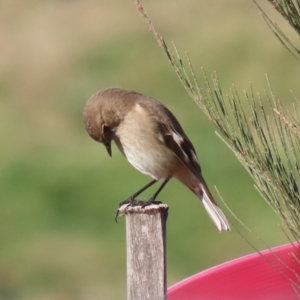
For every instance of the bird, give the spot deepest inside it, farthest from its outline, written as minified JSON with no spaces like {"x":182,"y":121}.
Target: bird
{"x":152,"y":140}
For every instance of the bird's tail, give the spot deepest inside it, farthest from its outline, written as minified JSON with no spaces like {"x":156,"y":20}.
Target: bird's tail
{"x":213,"y":210}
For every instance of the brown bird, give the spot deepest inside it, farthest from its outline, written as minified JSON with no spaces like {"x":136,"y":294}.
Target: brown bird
{"x":152,"y":140}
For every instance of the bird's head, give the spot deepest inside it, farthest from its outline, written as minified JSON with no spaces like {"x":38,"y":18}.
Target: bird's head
{"x":101,"y":119}
{"x":104,"y":112}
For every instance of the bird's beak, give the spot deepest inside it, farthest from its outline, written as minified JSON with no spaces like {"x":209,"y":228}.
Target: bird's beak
{"x":108,"y":147}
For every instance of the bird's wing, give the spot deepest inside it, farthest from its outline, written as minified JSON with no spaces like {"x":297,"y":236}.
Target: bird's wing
{"x":172,"y":134}
{"x":178,"y":142}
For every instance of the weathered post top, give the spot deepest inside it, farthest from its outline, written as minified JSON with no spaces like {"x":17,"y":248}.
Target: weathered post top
{"x":146,"y":251}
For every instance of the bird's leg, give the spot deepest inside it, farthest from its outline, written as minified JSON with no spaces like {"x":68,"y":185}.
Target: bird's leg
{"x":152,"y":199}
{"x":131,"y":200}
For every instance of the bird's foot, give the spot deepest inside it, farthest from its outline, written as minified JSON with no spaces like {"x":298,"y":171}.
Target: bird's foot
{"x":129,"y":202}
{"x":148,"y":202}
{"x":132,"y":202}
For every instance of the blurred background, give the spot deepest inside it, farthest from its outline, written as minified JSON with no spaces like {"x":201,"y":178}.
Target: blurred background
{"x":60,"y":189}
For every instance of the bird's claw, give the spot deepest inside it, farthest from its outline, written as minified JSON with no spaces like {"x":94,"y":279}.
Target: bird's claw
{"x":132,"y":202}
{"x":149,"y":202}
{"x":128,"y":202}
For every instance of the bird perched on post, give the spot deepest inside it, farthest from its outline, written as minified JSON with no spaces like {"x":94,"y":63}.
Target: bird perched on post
{"x":152,"y":140}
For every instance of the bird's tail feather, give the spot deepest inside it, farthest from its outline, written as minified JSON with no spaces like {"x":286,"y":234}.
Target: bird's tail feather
{"x":213,"y":210}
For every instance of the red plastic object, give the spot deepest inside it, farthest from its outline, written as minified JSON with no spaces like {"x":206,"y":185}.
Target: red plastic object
{"x":247,"y":278}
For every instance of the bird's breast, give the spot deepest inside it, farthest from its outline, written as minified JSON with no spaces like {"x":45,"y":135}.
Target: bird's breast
{"x":137,"y":140}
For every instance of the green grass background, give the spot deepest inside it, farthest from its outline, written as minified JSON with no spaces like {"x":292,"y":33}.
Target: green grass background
{"x":60,"y":189}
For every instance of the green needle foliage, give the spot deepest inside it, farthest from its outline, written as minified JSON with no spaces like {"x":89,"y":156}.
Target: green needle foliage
{"x":262,"y":134}
{"x":290,"y":10}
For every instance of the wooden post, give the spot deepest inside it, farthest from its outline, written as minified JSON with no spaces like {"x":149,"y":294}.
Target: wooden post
{"x":146,"y":251}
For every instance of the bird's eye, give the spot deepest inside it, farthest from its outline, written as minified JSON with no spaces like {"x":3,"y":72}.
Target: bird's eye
{"x":105,"y":129}
{"x":106,"y":134}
